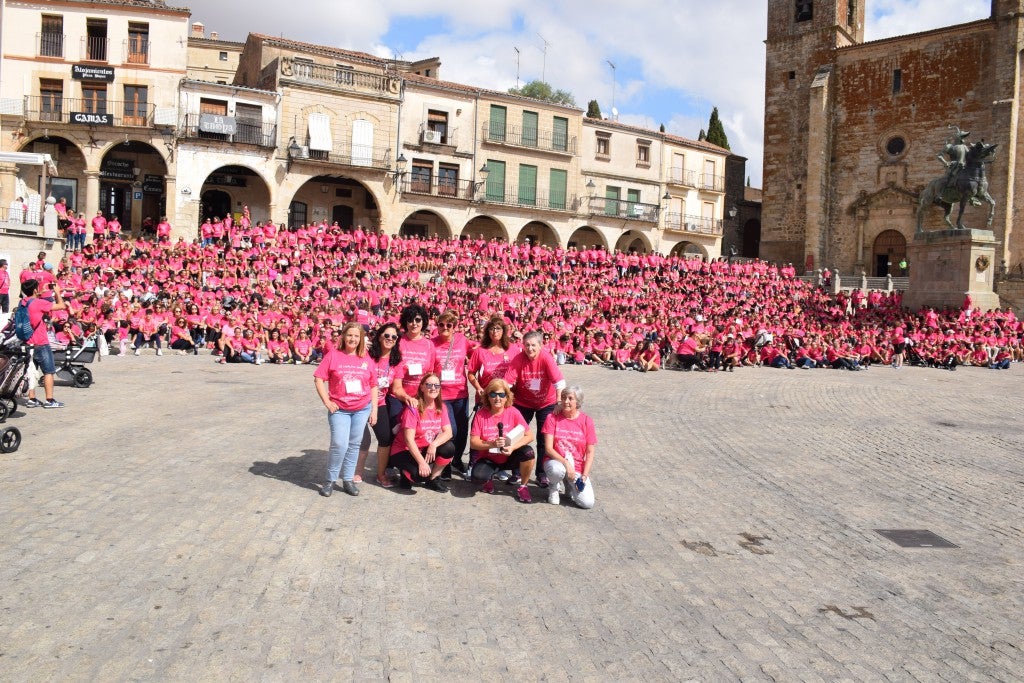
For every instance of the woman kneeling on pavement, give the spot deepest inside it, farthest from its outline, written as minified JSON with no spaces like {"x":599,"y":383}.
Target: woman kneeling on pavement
{"x":500,"y":440}
{"x":569,"y":439}
{"x":423,"y":446}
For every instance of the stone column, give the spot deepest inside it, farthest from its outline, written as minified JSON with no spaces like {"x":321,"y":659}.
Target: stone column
{"x":947,"y":264}
{"x":91,"y":203}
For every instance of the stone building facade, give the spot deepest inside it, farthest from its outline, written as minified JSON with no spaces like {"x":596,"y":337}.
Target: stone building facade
{"x":852,"y":130}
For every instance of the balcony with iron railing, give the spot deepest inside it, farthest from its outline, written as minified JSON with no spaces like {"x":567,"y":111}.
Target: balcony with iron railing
{"x":95,"y":48}
{"x":682,"y":176}
{"x":340,"y":78}
{"x":52,"y":109}
{"x":343,"y":154}
{"x":529,"y":138}
{"x":50,"y":44}
{"x":712,"y":182}
{"x":245,"y":132}
{"x":678,"y":222}
{"x":136,"y":50}
{"x":438,"y":187}
{"x":622,"y":208}
{"x":533,"y":197}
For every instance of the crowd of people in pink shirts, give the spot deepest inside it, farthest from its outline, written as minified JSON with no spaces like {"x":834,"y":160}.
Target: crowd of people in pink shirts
{"x":259,"y":292}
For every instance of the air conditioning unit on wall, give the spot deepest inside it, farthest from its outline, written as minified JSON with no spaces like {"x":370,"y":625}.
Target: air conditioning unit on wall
{"x":432,"y":136}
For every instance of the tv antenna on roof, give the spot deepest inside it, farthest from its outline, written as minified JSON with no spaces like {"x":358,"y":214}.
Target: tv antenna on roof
{"x":614,"y":112}
{"x":517,"y":66}
{"x":544,"y":64}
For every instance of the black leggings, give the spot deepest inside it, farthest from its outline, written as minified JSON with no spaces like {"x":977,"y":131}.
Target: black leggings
{"x":411,"y":469}
{"x":382,"y":430}
{"x":484,"y":469}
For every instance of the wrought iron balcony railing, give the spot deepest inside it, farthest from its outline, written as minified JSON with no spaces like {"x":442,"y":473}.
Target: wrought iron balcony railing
{"x":681,"y":176}
{"x":50,"y":44}
{"x":533,"y":138}
{"x":678,"y":222}
{"x":245,"y":132}
{"x":58,"y":109}
{"x":95,"y":48}
{"x":438,"y":187}
{"x":136,"y":50}
{"x":710,"y":181}
{"x":622,"y":208}
{"x":346,"y":154}
{"x":512,"y":195}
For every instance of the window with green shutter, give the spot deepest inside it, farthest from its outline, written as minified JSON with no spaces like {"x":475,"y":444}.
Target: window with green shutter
{"x":632,"y":197}
{"x":560,"y":134}
{"x":495,"y":181}
{"x":556,"y":198}
{"x":611,"y":201}
{"x":527,"y":185}
{"x":497,"y":125}
{"x":529,"y":129}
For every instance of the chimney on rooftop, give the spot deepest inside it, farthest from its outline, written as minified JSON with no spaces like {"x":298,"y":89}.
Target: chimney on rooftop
{"x":198,"y":30}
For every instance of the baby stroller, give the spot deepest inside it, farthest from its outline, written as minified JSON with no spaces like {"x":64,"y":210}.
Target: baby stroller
{"x":70,"y":360}
{"x":13,"y":366}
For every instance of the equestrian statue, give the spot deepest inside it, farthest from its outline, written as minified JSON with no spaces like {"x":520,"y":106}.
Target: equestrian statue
{"x":964,"y":180}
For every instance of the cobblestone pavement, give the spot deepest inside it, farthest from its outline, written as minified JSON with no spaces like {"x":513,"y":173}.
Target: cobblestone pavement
{"x":164,"y":526}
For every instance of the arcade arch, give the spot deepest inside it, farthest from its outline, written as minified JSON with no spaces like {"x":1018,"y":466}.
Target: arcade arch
{"x":688,"y":250}
{"x":631,"y":240}
{"x":334,"y":198}
{"x":425,"y":224}
{"x":229,"y":189}
{"x":585,"y":237}
{"x":889,"y":249}
{"x":485,"y":228}
{"x":538,"y":233}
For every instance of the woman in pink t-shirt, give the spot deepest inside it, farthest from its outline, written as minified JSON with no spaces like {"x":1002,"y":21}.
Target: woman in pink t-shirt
{"x":499,"y":439}
{"x":417,"y":350}
{"x":451,"y":350}
{"x":569,"y":441}
{"x":490,"y":360}
{"x":423,"y":446}
{"x":538,"y":382}
{"x":384,"y":351}
{"x":346,"y":382}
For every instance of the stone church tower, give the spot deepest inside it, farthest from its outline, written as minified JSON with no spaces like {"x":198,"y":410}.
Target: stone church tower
{"x":852,"y":130}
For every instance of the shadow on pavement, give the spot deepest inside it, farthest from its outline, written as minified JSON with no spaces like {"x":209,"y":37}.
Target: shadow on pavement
{"x":302,"y":470}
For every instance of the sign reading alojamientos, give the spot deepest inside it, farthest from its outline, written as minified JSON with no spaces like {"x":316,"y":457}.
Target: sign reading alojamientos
{"x":87,"y":72}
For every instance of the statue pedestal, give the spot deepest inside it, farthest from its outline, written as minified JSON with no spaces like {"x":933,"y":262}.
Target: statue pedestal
{"x":947,"y":264}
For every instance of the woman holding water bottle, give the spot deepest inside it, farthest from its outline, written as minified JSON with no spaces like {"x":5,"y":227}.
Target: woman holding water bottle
{"x":570,"y":440}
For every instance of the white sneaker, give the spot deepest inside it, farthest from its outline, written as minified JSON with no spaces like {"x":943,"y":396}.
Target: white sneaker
{"x":561,"y":487}
{"x":136,"y":352}
{"x":159,"y":352}
{"x":554,"y":498}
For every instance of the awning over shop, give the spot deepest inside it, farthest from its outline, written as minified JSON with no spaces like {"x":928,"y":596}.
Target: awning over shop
{"x":30,"y":159}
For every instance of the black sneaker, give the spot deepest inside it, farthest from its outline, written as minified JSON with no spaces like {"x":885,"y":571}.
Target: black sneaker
{"x":32,"y":403}
{"x":350,"y":488}
{"x":436,"y":485}
{"x":327,"y":489}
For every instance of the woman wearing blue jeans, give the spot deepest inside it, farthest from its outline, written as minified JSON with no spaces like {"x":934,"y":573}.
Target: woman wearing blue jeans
{"x":346,"y":381}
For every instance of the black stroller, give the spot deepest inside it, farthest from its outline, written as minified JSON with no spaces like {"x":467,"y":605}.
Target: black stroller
{"x":71,"y":359}
{"x":13,"y":367}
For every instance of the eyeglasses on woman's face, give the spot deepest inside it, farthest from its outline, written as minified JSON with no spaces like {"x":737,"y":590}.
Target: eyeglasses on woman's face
{"x":432,"y":386}
{"x":497,"y":394}
{"x":446,"y":326}
{"x":389,"y":336}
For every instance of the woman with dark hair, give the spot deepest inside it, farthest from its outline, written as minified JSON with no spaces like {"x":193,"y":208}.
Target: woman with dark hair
{"x":346,"y":381}
{"x":500,"y":440}
{"x":385,"y":352}
{"x":423,"y":446}
{"x":491,"y":358}
{"x":417,"y":350}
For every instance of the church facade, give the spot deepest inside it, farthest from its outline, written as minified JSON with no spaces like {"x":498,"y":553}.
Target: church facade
{"x":853,"y":131}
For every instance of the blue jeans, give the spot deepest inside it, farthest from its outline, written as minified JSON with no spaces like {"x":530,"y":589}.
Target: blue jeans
{"x":346,"y":433}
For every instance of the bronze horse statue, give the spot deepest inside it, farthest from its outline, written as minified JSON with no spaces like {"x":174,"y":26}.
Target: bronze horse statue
{"x":968,"y":185}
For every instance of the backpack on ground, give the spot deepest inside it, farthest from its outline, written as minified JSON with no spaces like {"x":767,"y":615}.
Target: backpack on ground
{"x":23,"y":329}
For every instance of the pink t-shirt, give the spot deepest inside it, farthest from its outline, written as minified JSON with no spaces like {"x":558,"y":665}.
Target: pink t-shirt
{"x":571,"y":437}
{"x":418,"y":357}
{"x":534,"y":380}
{"x":386,"y":376}
{"x":485,"y":427}
{"x":487,"y":364}
{"x":427,"y":426}
{"x":37,"y":309}
{"x":350,"y":378}
{"x":451,"y":360}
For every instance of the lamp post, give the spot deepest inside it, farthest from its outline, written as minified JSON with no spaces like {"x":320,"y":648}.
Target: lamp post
{"x":482,"y":174}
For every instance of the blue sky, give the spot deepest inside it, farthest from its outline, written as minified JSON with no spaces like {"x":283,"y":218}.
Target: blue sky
{"x":674,"y":59}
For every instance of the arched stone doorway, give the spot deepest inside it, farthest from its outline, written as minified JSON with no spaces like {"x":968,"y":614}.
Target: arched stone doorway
{"x":631,"y":240}
{"x":890,"y":248}
{"x":334,"y":198}
{"x":484,"y":228}
{"x":586,"y":237}
{"x":69,"y":182}
{"x":689,"y":250}
{"x":230,"y":189}
{"x":425,"y":224}
{"x":538,"y":234}
{"x":751,"y":238}
{"x":131,"y":184}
